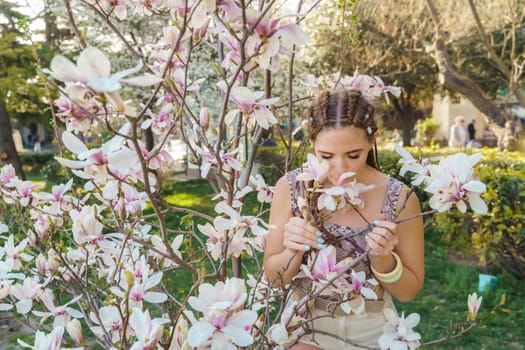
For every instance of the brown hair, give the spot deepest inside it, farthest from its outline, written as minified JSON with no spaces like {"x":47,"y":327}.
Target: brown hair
{"x":341,"y":108}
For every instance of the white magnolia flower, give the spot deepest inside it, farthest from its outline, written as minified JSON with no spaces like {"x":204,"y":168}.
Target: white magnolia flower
{"x":473,"y":303}
{"x":224,"y":324}
{"x":398,"y":333}
{"x":93,"y":69}
{"x":50,"y":341}
{"x":147,"y":331}
{"x":453,"y":182}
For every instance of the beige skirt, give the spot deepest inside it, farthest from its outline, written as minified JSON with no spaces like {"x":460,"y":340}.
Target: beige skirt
{"x":364,"y":329}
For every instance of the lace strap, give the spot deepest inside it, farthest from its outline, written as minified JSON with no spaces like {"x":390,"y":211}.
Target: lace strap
{"x":296,"y":190}
{"x":392,"y":194}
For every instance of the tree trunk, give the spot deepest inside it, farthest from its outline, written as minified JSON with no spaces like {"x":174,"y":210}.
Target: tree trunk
{"x":405,"y":112}
{"x":8,"y":152}
{"x":450,"y":78}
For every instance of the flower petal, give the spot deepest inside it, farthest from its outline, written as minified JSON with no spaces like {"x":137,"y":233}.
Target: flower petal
{"x":93,"y":63}
{"x":199,"y":333}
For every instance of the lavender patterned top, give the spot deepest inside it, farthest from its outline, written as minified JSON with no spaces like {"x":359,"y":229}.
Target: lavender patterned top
{"x":351,"y":245}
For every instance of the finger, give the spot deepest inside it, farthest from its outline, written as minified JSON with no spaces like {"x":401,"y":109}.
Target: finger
{"x":302,"y":228}
{"x":297,"y":247}
{"x":303,"y":241}
{"x":302,"y":223}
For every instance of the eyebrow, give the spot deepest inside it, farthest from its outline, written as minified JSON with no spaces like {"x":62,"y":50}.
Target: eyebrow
{"x":352,"y":151}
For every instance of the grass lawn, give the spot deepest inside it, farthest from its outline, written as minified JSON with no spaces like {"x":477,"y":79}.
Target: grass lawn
{"x":444,"y":299}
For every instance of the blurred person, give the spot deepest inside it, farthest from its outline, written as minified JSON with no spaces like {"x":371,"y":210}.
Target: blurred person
{"x":458,"y":133}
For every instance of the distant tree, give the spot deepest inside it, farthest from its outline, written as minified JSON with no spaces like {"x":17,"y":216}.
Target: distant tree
{"x":373,"y":39}
{"x":18,"y":91}
{"x":499,"y":25}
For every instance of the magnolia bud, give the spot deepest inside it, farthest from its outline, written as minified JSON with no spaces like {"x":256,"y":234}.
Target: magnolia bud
{"x":31,"y":237}
{"x":204,"y":120}
{"x":75,"y":331}
{"x":53,"y":261}
{"x":41,"y":264}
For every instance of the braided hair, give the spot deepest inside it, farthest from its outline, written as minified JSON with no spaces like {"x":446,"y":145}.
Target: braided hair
{"x":341,"y":108}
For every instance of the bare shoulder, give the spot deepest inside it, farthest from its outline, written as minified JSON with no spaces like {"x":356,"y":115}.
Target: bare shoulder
{"x":281,"y":196}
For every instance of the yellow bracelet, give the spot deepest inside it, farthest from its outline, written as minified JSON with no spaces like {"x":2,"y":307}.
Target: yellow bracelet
{"x":392,"y":276}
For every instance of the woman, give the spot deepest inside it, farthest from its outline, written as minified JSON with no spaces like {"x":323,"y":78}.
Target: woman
{"x":342,"y":131}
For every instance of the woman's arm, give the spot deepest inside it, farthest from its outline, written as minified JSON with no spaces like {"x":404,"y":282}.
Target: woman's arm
{"x":410,"y":248}
{"x":286,"y":239}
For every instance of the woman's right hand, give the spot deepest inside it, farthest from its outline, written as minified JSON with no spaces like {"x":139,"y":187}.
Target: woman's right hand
{"x":299,"y":235}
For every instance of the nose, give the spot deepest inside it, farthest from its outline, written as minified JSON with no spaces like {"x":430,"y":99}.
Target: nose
{"x":339,"y":166}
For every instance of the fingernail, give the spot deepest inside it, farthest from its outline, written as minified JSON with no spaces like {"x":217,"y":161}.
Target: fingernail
{"x":320,"y":240}
{"x":366,"y":237}
{"x":321,"y":246}
{"x":319,"y":233}
{"x":376,"y":222}
{"x":306,"y":247}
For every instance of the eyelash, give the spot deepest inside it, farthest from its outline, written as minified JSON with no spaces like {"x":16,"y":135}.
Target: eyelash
{"x":351,"y":157}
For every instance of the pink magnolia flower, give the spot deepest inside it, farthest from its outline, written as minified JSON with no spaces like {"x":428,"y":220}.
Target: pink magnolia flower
{"x":217,"y":234}
{"x":93,"y":69}
{"x":377,"y":87}
{"x":473,"y":306}
{"x":156,"y":157}
{"x":147,"y":331}
{"x":159,"y":244}
{"x":15,"y":253}
{"x":453,"y":182}
{"x":86,"y":226}
{"x":224,"y":323}
{"x":7,"y":174}
{"x":162,"y":123}
{"x":7,"y":278}
{"x":139,"y":291}
{"x":116,"y":7}
{"x":398,"y":333}
{"x":359,"y":291}
{"x":76,"y":106}
{"x":250,"y":104}
{"x":50,"y":341}
{"x":289,"y":329}
{"x":110,"y":321}
{"x":271,"y":38}
{"x":23,"y":192}
{"x":322,"y":269}
{"x":229,"y":161}
{"x":232,"y":58}
{"x":26,"y":292}
{"x":264,"y":191}
{"x":62,"y":314}
{"x":315,"y":170}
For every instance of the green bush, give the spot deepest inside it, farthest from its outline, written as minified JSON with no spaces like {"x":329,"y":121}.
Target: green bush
{"x":35,"y":161}
{"x":425,"y":131}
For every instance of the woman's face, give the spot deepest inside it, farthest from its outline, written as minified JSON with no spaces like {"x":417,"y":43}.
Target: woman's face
{"x":345,"y":149}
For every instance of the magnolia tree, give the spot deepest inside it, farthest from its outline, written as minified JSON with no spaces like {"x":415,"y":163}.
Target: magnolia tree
{"x":93,"y":263}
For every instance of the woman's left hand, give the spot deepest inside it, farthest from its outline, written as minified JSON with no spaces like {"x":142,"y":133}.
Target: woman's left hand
{"x":382,"y":238}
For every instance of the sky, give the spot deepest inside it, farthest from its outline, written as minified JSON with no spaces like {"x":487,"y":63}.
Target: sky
{"x":31,"y":8}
